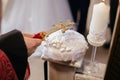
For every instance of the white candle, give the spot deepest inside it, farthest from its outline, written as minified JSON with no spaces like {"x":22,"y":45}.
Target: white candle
{"x":99,"y":23}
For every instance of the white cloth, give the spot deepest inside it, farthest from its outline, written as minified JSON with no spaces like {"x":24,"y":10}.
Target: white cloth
{"x":32,"y":16}
{"x":69,"y":46}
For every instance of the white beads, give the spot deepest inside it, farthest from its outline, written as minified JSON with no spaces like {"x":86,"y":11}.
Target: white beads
{"x":58,"y":44}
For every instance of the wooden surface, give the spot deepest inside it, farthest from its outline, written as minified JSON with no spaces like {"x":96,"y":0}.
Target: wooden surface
{"x":113,"y":66}
{"x":60,"y":72}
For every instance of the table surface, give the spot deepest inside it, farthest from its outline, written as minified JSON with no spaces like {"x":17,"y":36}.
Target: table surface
{"x":62,"y":72}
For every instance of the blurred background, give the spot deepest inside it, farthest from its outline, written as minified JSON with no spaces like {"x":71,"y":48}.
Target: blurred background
{"x":33,"y":16}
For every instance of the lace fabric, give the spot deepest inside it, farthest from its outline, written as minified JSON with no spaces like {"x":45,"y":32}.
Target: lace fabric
{"x":70,"y":46}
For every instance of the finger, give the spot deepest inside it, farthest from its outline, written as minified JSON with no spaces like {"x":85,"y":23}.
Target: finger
{"x":28,"y":35}
{"x":38,"y":42}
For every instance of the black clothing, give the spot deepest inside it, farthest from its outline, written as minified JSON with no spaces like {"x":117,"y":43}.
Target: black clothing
{"x":82,"y":6}
{"x":12,"y":43}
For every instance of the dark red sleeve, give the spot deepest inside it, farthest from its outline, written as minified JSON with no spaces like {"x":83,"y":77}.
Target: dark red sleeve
{"x":12,"y":43}
{"x":6,"y":69}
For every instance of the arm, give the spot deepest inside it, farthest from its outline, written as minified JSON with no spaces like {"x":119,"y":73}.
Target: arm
{"x":13,"y":45}
{"x":16,"y":48}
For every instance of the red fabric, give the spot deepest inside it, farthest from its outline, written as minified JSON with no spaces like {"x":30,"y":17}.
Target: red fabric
{"x":37,"y":36}
{"x":7,"y":71}
{"x":27,"y":73}
{"x":40,"y":35}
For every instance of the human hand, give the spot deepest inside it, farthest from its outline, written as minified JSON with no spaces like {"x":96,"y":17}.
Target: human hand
{"x":31,"y":43}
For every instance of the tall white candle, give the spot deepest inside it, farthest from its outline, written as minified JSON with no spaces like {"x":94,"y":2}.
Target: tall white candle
{"x":98,"y":25}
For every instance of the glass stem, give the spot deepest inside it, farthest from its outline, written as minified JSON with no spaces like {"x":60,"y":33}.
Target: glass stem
{"x":93,"y":55}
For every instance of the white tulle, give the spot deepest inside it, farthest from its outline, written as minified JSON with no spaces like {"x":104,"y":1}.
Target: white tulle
{"x":32,"y":16}
{"x":69,"y":46}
